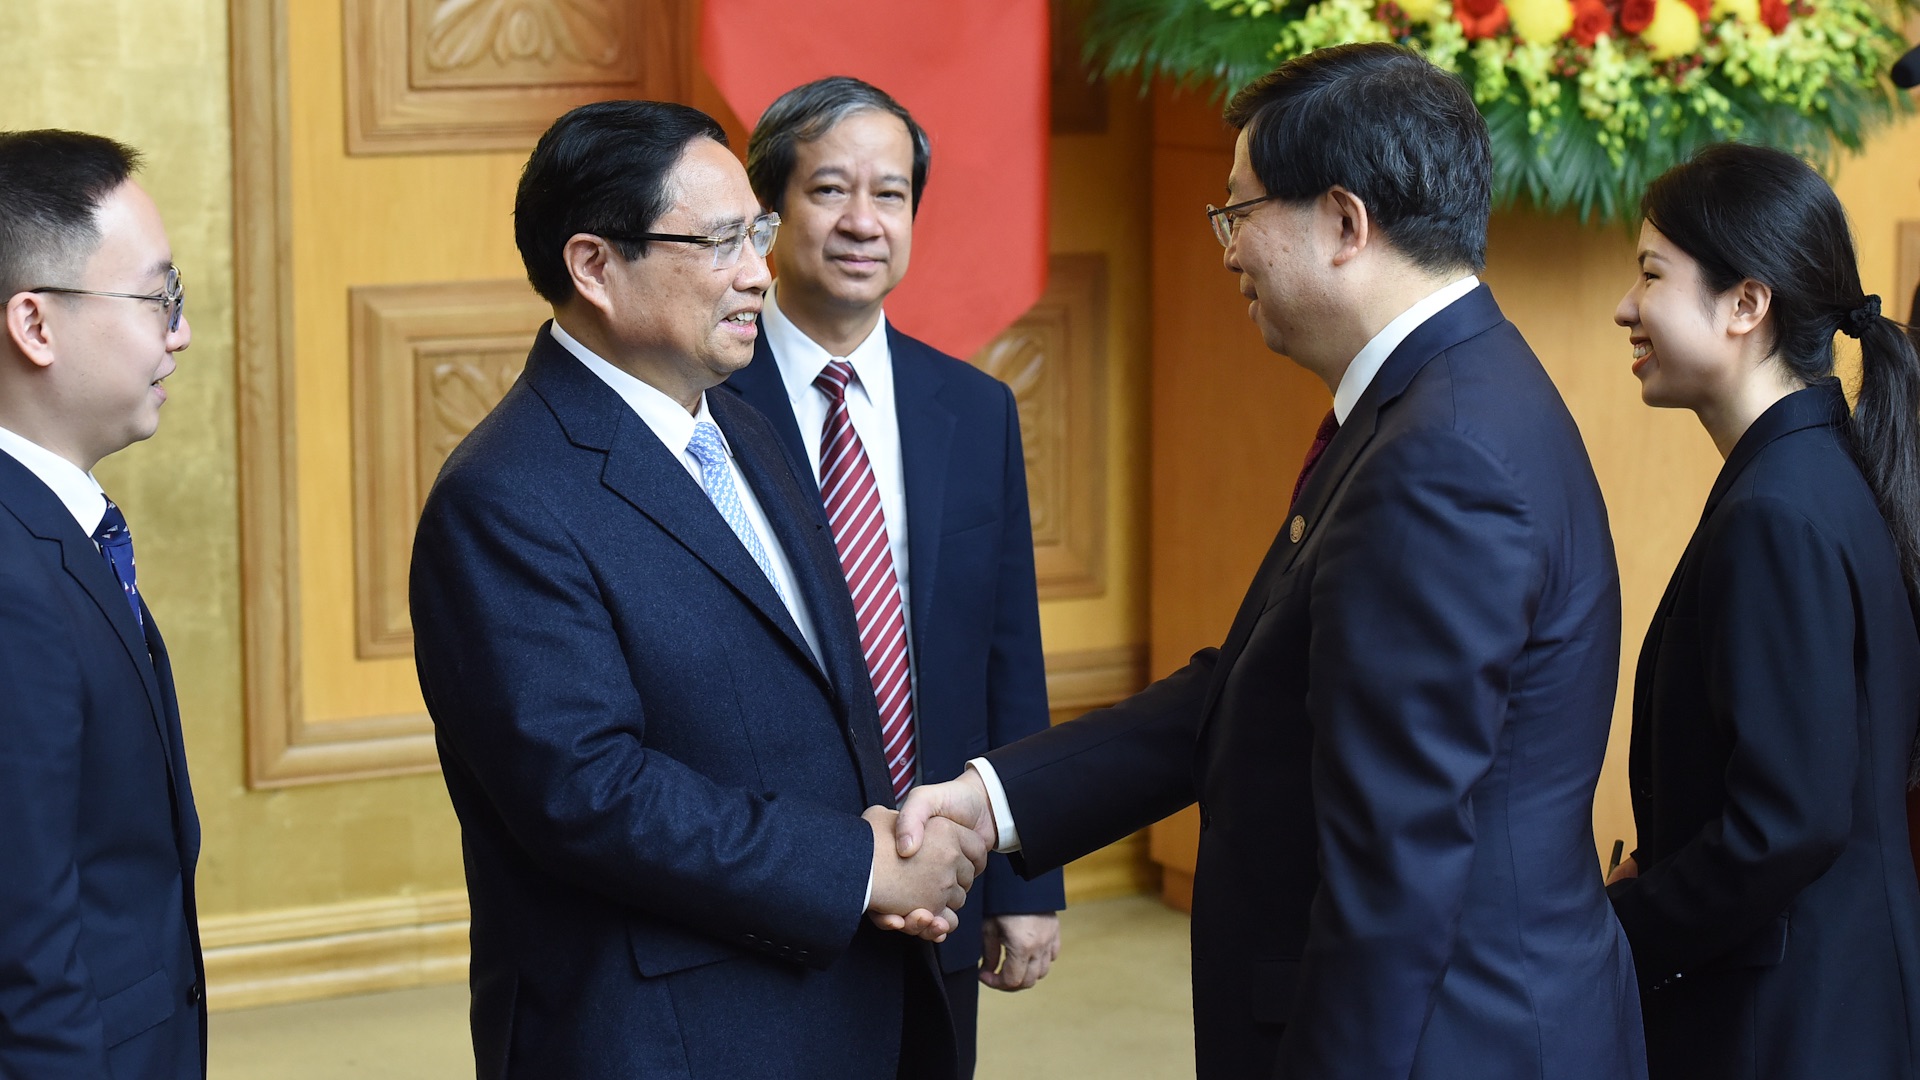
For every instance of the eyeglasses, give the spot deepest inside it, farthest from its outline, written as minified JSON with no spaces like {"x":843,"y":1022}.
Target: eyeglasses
{"x":1224,"y":218}
{"x":172,"y":297}
{"x":726,"y":245}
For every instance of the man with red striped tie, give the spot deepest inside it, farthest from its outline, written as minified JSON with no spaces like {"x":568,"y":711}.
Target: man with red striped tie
{"x":917,"y":459}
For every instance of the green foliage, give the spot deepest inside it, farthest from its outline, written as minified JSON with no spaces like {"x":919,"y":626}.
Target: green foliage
{"x":1575,"y":129}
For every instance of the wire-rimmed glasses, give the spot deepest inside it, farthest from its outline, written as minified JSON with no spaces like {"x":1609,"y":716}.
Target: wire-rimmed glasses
{"x":1224,"y":218}
{"x":727,"y":244}
{"x":172,"y":297}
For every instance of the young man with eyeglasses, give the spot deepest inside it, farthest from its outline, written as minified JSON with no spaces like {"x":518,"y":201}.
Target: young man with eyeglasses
{"x":100,"y":970}
{"x":644,"y":668}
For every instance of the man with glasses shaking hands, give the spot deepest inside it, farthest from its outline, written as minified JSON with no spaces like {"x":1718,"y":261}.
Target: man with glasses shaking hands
{"x":644,"y":668}
{"x":1395,"y":748}
{"x":100,"y":970}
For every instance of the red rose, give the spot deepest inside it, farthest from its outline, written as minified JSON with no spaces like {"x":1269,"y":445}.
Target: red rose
{"x":1481,"y":18}
{"x":1702,"y":8}
{"x":1590,"y":19}
{"x":1636,"y":15}
{"x":1775,"y":14}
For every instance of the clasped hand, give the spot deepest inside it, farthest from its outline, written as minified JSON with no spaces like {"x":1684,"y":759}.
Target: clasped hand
{"x":926,"y":856}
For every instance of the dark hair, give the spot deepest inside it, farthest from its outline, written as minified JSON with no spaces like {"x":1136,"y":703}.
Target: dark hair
{"x":600,"y":169}
{"x":1385,"y":124}
{"x":806,"y":113}
{"x":1750,"y":213}
{"x":51,"y":186}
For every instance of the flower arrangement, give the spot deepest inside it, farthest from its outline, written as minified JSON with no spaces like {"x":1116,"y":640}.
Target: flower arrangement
{"x":1586,"y":100}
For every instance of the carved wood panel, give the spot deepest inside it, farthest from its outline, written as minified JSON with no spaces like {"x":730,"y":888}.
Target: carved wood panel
{"x":429,"y":361}
{"x":427,"y":76}
{"x":1906,"y":275}
{"x":1054,"y":358}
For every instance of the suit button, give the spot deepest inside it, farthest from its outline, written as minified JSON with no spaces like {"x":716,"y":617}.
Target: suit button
{"x":195,"y":994}
{"x":1206,"y":818}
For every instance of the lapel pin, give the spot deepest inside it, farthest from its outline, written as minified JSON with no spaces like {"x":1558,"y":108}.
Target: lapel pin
{"x":1297,"y":529}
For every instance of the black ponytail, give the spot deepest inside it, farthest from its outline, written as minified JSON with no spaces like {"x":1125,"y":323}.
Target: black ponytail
{"x":1749,"y":213}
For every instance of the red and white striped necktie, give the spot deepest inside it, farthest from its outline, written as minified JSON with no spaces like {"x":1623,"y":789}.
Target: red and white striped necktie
{"x":852,"y":498}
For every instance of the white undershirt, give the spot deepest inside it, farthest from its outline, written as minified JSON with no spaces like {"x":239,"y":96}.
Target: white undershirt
{"x":75,"y":487}
{"x":673,"y":426}
{"x":1359,"y":375}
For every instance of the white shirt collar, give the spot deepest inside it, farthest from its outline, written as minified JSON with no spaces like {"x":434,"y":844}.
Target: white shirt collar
{"x":667,"y":418}
{"x":801,"y":359}
{"x":82,"y":494}
{"x":1366,"y":365}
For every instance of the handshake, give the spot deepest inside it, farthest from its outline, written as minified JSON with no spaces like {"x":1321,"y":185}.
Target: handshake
{"x":927,"y":854}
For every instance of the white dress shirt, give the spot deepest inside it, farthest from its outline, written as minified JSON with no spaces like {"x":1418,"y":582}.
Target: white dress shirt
{"x":76,"y":487}
{"x":1359,"y":375}
{"x":870,"y":409}
{"x":673,"y":425}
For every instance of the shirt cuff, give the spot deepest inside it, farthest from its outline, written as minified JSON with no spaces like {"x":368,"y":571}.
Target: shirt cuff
{"x":867,"y":904}
{"x":997,"y":799}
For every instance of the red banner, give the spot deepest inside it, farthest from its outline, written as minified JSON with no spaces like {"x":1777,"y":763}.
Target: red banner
{"x":974,"y":74}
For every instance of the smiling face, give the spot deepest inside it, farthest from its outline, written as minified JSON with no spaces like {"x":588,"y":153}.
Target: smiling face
{"x":109,"y":354}
{"x":676,"y":321}
{"x":847,"y":218}
{"x":1683,"y":351}
{"x":1276,"y":250}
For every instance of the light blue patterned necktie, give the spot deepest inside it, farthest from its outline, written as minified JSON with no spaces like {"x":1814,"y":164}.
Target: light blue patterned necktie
{"x":717,"y":478}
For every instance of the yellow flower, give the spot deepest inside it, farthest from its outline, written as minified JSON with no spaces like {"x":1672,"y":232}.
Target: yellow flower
{"x":1424,"y":11}
{"x":1541,"y":22}
{"x":1674,"y":31}
{"x":1747,"y":11}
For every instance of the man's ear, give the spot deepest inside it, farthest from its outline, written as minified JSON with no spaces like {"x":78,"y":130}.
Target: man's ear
{"x":589,"y":260}
{"x":1751,"y":302}
{"x":1356,"y":225}
{"x":29,"y":329}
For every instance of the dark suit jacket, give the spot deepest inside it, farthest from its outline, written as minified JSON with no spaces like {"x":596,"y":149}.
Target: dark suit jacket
{"x":100,"y":972}
{"x":980,"y":678}
{"x":1394,"y":751}
{"x":1776,"y":919}
{"x":658,"y":787}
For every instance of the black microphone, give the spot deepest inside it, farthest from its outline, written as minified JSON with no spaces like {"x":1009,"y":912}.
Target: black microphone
{"x":1906,"y":70}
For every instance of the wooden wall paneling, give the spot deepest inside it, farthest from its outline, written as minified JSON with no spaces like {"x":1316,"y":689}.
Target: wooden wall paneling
{"x":1077,"y":95}
{"x":448,"y":76}
{"x":428,"y":362}
{"x":1906,"y":276}
{"x":1054,"y":358}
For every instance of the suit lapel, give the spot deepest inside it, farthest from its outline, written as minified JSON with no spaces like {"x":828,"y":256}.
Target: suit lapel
{"x":1471,"y":315}
{"x":926,"y":444}
{"x":642,"y":471}
{"x":46,"y":517}
{"x":759,"y":384}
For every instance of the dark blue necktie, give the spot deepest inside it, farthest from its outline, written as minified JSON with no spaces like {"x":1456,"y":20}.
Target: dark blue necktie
{"x":116,"y":543}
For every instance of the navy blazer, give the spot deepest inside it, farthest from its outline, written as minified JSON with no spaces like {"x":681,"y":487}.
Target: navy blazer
{"x":980,"y":677}
{"x":100,"y":972}
{"x":1395,"y":750}
{"x":1776,"y":918}
{"x":658,"y":786}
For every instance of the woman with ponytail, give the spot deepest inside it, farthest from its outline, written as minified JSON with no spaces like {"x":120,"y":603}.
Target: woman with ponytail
{"x":1772,"y":904}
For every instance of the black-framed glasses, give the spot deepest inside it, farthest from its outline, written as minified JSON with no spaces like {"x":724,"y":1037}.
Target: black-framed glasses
{"x":1224,"y":218}
{"x":726,"y":245}
{"x":172,"y":296}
